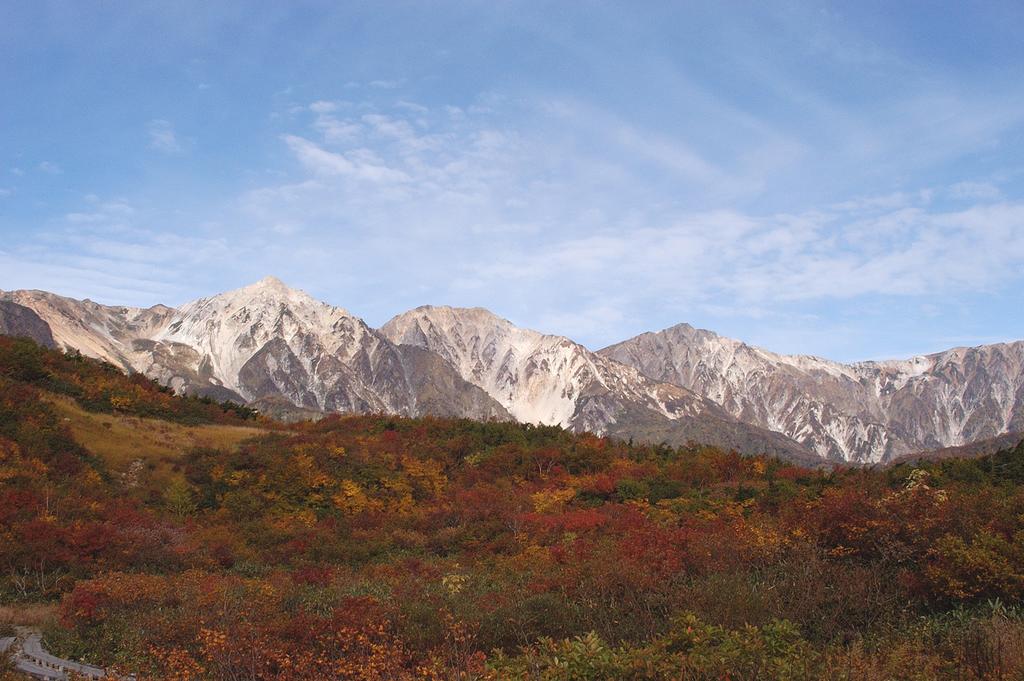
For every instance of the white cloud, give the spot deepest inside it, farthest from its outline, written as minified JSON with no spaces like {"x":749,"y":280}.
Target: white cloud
{"x":589,"y":320}
{"x":575,"y":218}
{"x":491,"y":215}
{"x":386,"y":126}
{"x":323,"y":106}
{"x":412,"y":106}
{"x":982,"y":191}
{"x":108,"y":213}
{"x":869,"y":203}
{"x":335,"y":131}
{"x":763,"y":261}
{"x":162,"y":137}
{"x":361,"y":164}
{"x":50,"y":168}
{"x":107,"y":254}
{"x":285,"y":229}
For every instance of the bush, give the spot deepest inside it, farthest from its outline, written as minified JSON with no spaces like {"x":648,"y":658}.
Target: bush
{"x":691,"y":650}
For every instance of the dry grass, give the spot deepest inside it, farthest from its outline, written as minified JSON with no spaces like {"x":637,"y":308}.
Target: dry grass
{"x":146,"y":453}
{"x":994,"y":649}
{"x":27,"y":614}
{"x":120,"y":440}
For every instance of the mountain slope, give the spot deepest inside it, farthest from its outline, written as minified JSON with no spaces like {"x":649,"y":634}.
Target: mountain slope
{"x":552,"y":380}
{"x":99,"y":331}
{"x":972,"y":450}
{"x":18,"y":320}
{"x":260,"y":342}
{"x":866,"y":412}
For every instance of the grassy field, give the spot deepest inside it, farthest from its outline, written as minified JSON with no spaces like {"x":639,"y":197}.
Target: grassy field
{"x":148,"y":449}
{"x":26,"y":615}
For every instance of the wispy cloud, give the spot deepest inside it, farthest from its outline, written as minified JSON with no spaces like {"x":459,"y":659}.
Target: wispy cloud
{"x":984,"y":191}
{"x":109,"y":213}
{"x":105,"y":252}
{"x":361,"y":164}
{"x":761,"y":261}
{"x":163,"y":138}
{"x":49,"y":167}
{"x":582,"y":236}
{"x":595,"y":173}
{"x":323,"y":107}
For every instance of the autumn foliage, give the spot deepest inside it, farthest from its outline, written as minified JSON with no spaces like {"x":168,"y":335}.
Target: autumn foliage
{"x":372,"y":547}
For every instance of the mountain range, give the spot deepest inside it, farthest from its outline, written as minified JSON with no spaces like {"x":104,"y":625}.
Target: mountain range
{"x":289,"y":355}
{"x":866,"y":412}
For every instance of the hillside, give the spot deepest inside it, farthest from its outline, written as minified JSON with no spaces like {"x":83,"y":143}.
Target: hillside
{"x":381,"y":547}
{"x":974,"y":450}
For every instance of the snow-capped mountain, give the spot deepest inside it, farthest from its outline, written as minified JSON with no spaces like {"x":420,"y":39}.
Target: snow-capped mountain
{"x":866,"y":412}
{"x":260,"y":342}
{"x":551,"y":380}
{"x":278,"y":348}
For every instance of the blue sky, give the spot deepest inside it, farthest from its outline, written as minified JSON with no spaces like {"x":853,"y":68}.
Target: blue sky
{"x":839,"y":179}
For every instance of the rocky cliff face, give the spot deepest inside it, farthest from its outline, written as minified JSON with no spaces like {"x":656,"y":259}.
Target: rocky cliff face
{"x":18,"y":320}
{"x":867,"y":412}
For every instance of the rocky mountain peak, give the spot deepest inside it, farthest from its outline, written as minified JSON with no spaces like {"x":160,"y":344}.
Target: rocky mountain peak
{"x":267,"y":292}
{"x":465,"y":319}
{"x":270,"y":281}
